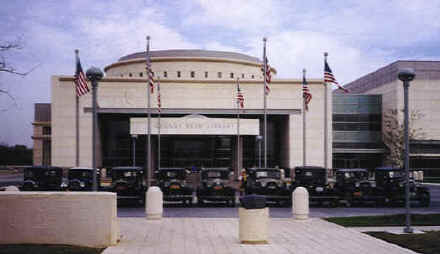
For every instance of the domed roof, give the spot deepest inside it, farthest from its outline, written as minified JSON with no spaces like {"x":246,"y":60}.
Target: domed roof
{"x":192,"y":53}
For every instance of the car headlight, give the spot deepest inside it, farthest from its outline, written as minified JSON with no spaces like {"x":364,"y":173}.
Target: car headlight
{"x":82,"y":185}
{"x":357,"y":185}
{"x":263,"y":184}
{"x":209,"y":185}
{"x":63,"y":185}
{"x":166,"y":184}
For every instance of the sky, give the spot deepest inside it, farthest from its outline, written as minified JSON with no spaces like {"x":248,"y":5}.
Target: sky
{"x":360,"y":37}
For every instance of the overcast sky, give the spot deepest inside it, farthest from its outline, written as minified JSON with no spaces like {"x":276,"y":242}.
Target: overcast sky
{"x":360,"y":36}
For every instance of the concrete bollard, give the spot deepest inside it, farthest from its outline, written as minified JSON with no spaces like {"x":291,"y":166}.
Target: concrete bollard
{"x":253,"y":225}
{"x":300,"y":203}
{"x":154,"y":203}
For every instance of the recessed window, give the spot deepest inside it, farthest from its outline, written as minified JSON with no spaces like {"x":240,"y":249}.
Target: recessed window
{"x":178,"y":74}
{"x":130,"y":75}
{"x":46,"y":130}
{"x":141,"y":74}
{"x":242,"y":75}
{"x":219,"y":74}
{"x":152,"y":73}
{"x":231,"y":75}
{"x":122,"y":75}
{"x":193,"y":74}
{"x":252,"y":76}
{"x":165,"y":74}
{"x":206,"y":74}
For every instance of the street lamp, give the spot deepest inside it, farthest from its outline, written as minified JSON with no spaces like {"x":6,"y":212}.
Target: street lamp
{"x":259,"y":139}
{"x":94,"y":74}
{"x":134,"y":137}
{"x":406,"y":75}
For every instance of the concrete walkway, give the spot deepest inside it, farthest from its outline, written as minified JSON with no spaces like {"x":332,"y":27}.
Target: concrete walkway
{"x":220,"y":235}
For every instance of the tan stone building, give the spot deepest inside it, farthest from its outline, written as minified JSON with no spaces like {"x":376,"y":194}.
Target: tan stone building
{"x":424,"y":94}
{"x":42,"y":134}
{"x":198,"y":119}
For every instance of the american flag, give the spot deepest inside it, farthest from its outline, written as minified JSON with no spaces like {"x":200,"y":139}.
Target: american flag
{"x":159,"y":105}
{"x":306,"y":93}
{"x":267,"y":75}
{"x":80,"y":80}
{"x":150,"y":75}
{"x":329,"y":78}
{"x":240,"y":97}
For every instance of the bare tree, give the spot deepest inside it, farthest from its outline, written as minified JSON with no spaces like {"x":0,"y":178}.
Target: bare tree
{"x":393,"y":135}
{"x":5,"y":67}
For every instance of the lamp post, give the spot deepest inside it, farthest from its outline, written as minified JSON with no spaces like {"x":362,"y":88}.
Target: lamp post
{"x":134,"y":137}
{"x":406,"y":75}
{"x":259,"y":139}
{"x":94,"y":74}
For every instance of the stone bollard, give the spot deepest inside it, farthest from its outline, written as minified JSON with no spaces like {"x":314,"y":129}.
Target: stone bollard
{"x":300,"y":203}
{"x":253,"y":220}
{"x":154,"y":203}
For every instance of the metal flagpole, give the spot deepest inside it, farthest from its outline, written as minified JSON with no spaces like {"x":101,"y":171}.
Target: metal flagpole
{"x":148,"y":143}
{"x":304,"y":122}
{"x":325,"y":116}
{"x":77,"y":117}
{"x":158,"y":136}
{"x":238,"y":132}
{"x":265,"y":103}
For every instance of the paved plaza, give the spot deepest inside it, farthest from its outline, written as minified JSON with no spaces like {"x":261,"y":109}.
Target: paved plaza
{"x":220,"y":235}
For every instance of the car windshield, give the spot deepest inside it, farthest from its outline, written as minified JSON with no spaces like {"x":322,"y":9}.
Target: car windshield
{"x":80,"y":174}
{"x":28,"y":174}
{"x":125,"y":174}
{"x":396,"y":174}
{"x":268,"y":174}
{"x":173,"y":174}
{"x":52,"y":173}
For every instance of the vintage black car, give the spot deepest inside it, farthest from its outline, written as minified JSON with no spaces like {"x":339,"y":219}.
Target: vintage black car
{"x":268,"y":182}
{"x":315,"y":180}
{"x":214,"y":186}
{"x":353,"y":186}
{"x":129,"y":183}
{"x":81,"y":179}
{"x":43,"y":178}
{"x":390,"y":187}
{"x":172,"y":182}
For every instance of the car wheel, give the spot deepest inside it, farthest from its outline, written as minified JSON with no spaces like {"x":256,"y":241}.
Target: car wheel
{"x":200,"y":202}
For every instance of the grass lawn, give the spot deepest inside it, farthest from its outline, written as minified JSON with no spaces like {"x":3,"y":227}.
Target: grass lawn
{"x":387,"y":220}
{"x":427,"y":243}
{"x":46,"y":249}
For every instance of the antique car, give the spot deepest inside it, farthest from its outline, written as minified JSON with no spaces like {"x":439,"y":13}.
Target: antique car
{"x":353,"y":187}
{"x":315,"y":180}
{"x":81,"y":179}
{"x":129,"y":183}
{"x":43,"y":178}
{"x":390,"y":186}
{"x":269,"y":183}
{"x":214,"y":186}
{"x":172,"y":182}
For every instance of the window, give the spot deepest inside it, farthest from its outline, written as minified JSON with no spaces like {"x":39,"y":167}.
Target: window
{"x":178,"y":74}
{"x":46,"y":130}
{"x":231,"y":75}
{"x":141,"y":74}
{"x":193,"y":74}
{"x":130,"y":75}
{"x":242,"y":75}
{"x":252,"y":76}
{"x":206,"y":74}
{"x":122,"y":75}
{"x":165,"y":74}
{"x":219,"y":74}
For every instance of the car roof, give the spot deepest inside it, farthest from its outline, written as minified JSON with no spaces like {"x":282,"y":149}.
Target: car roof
{"x":127,"y":168}
{"x":171,"y":169}
{"x":81,"y":168}
{"x":43,"y":167}
{"x":265,"y":169}
{"x":215,"y":169}
{"x":351,"y":170}
{"x":388,"y":169}
{"x":310,"y":167}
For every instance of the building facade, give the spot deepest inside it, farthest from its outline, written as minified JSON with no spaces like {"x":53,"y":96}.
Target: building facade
{"x":423,"y":102}
{"x":42,"y":134}
{"x":198,"y":117}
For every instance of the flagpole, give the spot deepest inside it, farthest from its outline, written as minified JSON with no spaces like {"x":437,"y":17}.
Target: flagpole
{"x":304,"y":122}
{"x":77,"y":120}
{"x":238,"y":132}
{"x":265,"y":103}
{"x":325,"y":116}
{"x":148,"y":143}
{"x":158,"y":137}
